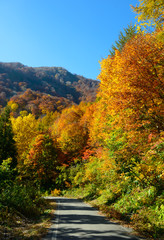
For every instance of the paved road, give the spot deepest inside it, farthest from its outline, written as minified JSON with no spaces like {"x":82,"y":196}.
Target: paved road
{"x":75,"y":220}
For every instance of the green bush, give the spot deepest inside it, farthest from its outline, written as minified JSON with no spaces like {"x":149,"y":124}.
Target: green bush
{"x":17,"y":197}
{"x":150,"y":220}
{"x":25,"y":199}
{"x":131,"y":202}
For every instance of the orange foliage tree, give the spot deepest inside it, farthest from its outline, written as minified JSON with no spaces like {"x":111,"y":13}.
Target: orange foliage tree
{"x":69,"y":131}
{"x":129,"y":113}
{"x":41,"y":161}
{"x":132,"y":84}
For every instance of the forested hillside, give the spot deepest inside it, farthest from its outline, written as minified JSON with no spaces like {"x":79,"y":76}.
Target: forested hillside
{"x":109,"y":151}
{"x":15,"y":78}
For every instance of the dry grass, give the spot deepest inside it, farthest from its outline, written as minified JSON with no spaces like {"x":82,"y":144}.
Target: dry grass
{"x":17,"y":227}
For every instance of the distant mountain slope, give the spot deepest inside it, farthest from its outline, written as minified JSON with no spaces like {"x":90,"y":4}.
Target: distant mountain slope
{"x":16,"y":78}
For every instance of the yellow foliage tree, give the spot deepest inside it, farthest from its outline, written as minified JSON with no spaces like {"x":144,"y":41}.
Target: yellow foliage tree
{"x":150,"y":12}
{"x":25,"y":129}
{"x":70,"y":133}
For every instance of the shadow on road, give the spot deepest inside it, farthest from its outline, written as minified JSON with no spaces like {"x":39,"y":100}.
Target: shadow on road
{"x":78,"y":221}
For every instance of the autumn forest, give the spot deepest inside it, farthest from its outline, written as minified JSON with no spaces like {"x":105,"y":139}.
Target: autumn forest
{"x":107,"y":149}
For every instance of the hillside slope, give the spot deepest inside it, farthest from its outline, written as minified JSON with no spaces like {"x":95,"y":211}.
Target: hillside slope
{"x":16,"y":78}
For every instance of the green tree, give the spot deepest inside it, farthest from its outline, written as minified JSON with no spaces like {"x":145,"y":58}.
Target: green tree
{"x":123,"y":37}
{"x":7,"y":143}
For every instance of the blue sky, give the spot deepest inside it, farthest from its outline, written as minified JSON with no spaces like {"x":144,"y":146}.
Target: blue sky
{"x":74,"y":34}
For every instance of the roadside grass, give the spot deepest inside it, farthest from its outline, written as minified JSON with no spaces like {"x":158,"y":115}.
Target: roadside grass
{"x":18,"y":227}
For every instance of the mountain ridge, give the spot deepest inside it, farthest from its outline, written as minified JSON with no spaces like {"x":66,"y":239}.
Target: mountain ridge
{"x":16,"y":78}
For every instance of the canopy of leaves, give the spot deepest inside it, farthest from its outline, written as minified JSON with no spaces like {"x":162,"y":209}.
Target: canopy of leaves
{"x":132,"y":83}
{"x":25,"y":128}
{"x":150,"y":13}
{"x":70,"y":133}
{"x":41,"y":161}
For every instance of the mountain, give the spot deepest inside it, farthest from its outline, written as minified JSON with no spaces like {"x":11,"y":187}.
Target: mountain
{"x":57,"y":82}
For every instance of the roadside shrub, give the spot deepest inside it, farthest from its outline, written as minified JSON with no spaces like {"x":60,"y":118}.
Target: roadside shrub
{"x":149,"y":220}
{"x":131,"y":202}
{"x":24,"y":199}
{"x":107,"y":197}
{"x":55,"y":192}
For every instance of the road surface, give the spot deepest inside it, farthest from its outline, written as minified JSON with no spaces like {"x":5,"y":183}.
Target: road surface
{"x":75,"y":220}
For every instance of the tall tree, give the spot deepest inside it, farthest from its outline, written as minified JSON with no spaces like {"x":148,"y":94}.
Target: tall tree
{"x":69,"y":130}
{"x":40,"y":163}
{"x":132,"y":83}
{"x":150,"y":13}
{"x":7,"y":143}
{"x":25,"y":129}
{"x":123,"y":37}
